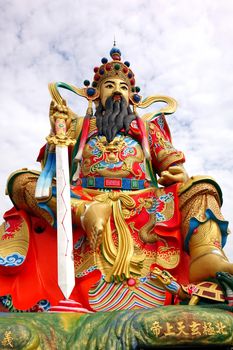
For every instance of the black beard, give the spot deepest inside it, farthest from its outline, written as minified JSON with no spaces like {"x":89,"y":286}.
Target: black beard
{"x":115,"y":117}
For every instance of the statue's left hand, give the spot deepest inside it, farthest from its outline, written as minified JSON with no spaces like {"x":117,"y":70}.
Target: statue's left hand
{"x":173,"y":174}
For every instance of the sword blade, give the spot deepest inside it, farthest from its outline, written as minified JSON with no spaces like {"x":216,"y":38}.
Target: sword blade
{"x":66,"y":273}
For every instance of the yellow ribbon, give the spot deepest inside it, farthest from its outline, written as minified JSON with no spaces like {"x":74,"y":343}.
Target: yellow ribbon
{"x":122,"y":258}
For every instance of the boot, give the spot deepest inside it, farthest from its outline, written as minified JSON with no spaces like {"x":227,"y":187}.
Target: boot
{"x":206,"y":255}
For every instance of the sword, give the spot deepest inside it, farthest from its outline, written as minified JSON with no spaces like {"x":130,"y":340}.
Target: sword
{"x":66,"y":273}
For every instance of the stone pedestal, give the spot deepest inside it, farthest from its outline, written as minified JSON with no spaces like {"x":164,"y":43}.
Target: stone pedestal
{"x":171,"y":327}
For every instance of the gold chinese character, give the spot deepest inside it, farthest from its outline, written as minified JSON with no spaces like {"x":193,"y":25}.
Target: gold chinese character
{"x":8,"y":340}
{"x":208,"y":328}
{"x":156,"y":328}
{"x":169,"y":328}
{"x":194,"y":326}
{"x":181,"y":328}
{"x":220,"y":328}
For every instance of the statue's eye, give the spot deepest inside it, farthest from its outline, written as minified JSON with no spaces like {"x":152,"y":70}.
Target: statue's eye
{"x":124,"y":88}
{"x":109,"y":86}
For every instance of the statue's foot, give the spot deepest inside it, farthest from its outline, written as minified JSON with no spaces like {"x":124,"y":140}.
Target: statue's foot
{"x":208,"y":265}
{"x":94,"y":221}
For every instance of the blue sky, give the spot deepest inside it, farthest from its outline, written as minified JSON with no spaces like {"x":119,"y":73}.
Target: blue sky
{"x":179,"y":48}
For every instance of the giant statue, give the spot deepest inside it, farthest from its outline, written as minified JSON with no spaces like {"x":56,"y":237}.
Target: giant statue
{"x":134,"y":208}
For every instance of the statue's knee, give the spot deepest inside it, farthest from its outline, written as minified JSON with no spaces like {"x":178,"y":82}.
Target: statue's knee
{"x":21,"y":189}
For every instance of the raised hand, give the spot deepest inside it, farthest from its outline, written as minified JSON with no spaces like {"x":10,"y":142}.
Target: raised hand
{"x":173,"y":174}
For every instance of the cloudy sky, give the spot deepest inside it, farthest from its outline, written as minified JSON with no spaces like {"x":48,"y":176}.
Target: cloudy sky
{"x":180,"y":48}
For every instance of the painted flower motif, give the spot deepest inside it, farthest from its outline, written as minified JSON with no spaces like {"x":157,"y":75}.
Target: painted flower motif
{"x":192,"y":288}
{"x":131,"y":283}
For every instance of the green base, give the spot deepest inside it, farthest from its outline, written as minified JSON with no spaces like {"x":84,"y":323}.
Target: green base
{"x":160,"y":328}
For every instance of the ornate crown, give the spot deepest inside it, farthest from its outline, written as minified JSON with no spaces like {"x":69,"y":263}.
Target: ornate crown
{"x":115,"y":68}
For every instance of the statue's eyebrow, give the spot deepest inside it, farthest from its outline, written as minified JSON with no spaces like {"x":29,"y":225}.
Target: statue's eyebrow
{"x":123,"y":83}
{"x":109,"y":81}
{"x":113,"y":82}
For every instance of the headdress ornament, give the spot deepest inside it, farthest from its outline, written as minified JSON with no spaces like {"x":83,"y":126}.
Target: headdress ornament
{"x":113,"y":69}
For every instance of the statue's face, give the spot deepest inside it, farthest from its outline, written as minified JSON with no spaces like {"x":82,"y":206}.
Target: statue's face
{"x":113,"y":86}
